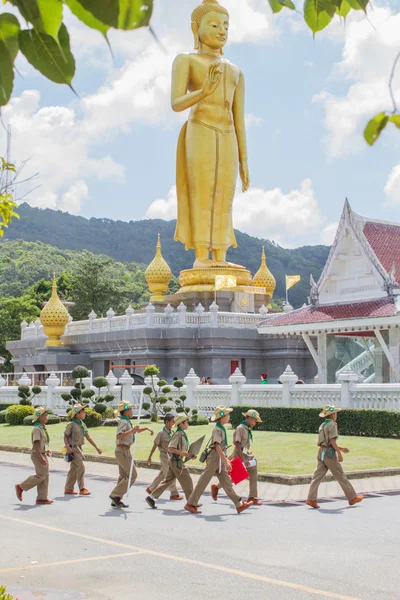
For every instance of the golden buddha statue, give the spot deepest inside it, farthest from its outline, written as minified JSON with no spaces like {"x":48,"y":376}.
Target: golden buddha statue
{"x":212,"y":143}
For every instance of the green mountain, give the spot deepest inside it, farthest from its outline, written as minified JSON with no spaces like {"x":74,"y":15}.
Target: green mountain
{"x":134,"y":242}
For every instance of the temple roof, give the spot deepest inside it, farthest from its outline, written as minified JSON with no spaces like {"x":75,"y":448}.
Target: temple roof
{"x":384,"y":239}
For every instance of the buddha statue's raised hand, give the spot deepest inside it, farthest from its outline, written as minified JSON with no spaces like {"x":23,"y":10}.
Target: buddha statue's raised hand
{"x":212,"y":79}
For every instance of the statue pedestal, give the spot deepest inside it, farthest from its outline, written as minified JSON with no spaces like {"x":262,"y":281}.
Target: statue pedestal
{"x":203,"y":279}
{"x":236,"y":300}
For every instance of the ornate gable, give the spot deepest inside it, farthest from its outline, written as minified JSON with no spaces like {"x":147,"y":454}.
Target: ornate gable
{"x":352,"y":272}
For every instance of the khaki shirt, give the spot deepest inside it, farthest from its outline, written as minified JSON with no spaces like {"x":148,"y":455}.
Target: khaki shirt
{"x":39,"y":435}
{"x":162,"y":441}
{"x":219,"y":437}
{"x":242,"y":436}
{"x":326,"y":432}
{"x":127,"y":440}
{"x":178,"y":441}
{"x":79,"y":435}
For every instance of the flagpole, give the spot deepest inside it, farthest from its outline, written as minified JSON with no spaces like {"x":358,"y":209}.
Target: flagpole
{"x":134,"y":445}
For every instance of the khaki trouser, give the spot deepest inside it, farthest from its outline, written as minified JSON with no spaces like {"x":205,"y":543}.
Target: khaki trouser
{"x":124,"y":460}
{"x":253,"y":477}
{"x":334,"y":466}
{"x":214,"y":467}
{"x":162,"y":475}
{"x":173,"y":474}
{"x":76,"y":470}
{"x":40,"y":480}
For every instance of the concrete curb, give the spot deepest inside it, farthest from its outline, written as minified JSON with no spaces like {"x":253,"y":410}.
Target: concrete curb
{"x":196,"y":470}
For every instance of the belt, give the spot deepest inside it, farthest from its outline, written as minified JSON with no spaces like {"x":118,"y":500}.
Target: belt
{"x":323,"y":446}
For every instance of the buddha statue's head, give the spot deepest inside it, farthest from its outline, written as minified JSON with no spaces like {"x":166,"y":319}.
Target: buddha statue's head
{"x":210,"y":24}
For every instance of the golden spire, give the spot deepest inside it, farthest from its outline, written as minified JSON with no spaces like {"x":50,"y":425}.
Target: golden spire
{"x":54,"y":317}
{"x":264,"y":278}
{"x":158,"y":275}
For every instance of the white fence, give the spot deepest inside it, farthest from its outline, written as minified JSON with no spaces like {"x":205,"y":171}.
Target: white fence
{"x":151,"y":319}
{"x":347,"y":394}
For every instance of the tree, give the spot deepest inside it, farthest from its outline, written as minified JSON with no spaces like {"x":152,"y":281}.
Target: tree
{"x":7,"y":203}
{"x":12,"y":312}
{"x":45,"y":41}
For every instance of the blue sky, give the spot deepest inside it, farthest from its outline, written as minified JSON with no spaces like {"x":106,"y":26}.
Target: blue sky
{"x":111,"y":152}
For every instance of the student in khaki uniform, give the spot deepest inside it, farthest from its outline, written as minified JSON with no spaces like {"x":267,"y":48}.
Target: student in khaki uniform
{"x":125,"y":439}
{"x":39,"y":457}
{"x":217,"y":465}
{"x":74,"y":438}
{"x":161,"y":442}
{"x":242,"y":438}
{"x":178,"y":449}
{"x":329,"y":459}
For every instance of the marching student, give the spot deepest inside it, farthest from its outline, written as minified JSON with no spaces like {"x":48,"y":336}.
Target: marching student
{"x":329,"y":459}
{"x":217,"y":465}
{"x":39,"y":457}
{"x":178,"y":449}
{"x":74,"y":438}
{"x":242,"y":439}
{"x":125,"y":439}
{"x":161,"y":442}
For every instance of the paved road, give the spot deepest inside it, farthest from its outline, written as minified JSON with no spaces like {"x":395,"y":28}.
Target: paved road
{"x":81,"y":549}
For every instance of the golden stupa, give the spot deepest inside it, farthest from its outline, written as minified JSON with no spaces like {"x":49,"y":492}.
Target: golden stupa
{"x":158,"y":275}
{"x":54,"y":317}
{"x":264,"y":278}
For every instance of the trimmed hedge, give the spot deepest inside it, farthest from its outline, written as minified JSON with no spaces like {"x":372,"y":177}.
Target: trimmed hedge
{"x":92,"y":419}
{"x":5,"y":405}
{"x":198,"y":420}
{"x":16,"y":414}
{"x":351,"y":421}
{"x":52,"y":420}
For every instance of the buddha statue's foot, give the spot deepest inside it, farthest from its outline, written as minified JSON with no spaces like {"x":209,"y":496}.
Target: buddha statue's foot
{"x":203,"y":263}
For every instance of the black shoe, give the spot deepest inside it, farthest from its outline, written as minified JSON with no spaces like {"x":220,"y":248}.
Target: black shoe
{"x":115,"y":502}
{"x":151,"y":502}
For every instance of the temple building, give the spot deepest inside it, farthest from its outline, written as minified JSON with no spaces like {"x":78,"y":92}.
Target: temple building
{"x":352,"y":320}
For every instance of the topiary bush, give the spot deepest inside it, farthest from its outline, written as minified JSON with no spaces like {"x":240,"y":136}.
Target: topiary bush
{"x":351,"y":421}
{"x":100,"y":408}
{"x":5,"y":405}
{"x":52,"y":420}
{"x":16,"y":414}
{"x":110,"y":413}
{"x":27,"y":394}
{"x":4,"y":595}
{"x":197,"y":420}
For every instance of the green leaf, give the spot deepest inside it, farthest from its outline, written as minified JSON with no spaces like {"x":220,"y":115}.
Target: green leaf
{"x":9,"y":32}
{"x":319,"y":13}
{"x":53,"y":59}
{"x":45,"y":15}
{"x":344,"y":9}
{"x":121,"y":14}
{"x":375,"y":127}
{"x":288,"y":3}
{"x":396,"y":120}
{"x":87,"y":17}
{"x":358,"y":4}
{"x":6,"y":76}
{"x":275,"y":6}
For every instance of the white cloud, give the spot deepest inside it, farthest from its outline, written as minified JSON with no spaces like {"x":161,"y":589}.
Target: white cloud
{"x":71,"y":200}
{"x":285,"y":218}
{"x":328,"y":233}
{"x":367,"y":58}
{"x":253,"y":121}
{"x":392,"y":187}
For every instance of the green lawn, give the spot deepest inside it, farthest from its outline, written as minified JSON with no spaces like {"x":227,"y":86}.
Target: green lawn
{"x":287,"y":453}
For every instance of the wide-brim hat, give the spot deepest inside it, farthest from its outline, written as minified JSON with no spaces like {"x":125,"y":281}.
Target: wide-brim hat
{"x":121,"y":406}
{"x":253,"y":414}
{"x":329,"y":409}
{"x":181,"y":418}
{"x":39,"y":411}
{"x":77,"y":409}
{"x":221,"y":411}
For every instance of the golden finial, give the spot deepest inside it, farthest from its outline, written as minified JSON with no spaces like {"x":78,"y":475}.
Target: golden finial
{"x":54,"y":317}
{"x":158,"y":275}
{"x":264,"y":278}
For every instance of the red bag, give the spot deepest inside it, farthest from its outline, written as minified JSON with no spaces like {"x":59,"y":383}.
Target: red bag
{"x":239,"y":472}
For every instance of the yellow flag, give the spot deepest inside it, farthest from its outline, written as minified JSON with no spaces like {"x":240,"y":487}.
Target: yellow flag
{"x":224,"y":281}
{"x":291,"y":280}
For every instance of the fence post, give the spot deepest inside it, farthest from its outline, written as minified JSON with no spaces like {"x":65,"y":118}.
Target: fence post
{"x":24,"y":380}
{"x":237,"y":380}
{"x":214,"y":314}
{"x":191,"y":381}
{"x":2,"y":380}
{"x":346,"y":378}
{"x":288,"y":378}
{"x":52,"y":382}
{"x":182,"y":310}
{"x":126,"y":383}
{"x":150,"y":309}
